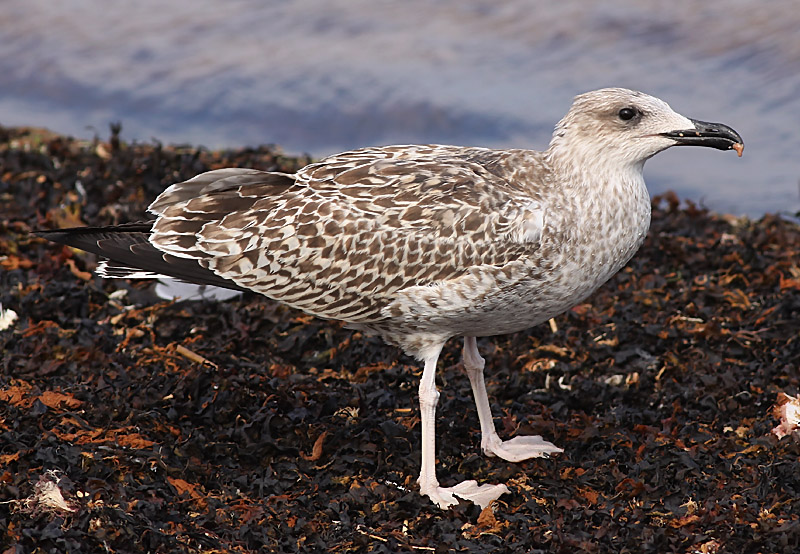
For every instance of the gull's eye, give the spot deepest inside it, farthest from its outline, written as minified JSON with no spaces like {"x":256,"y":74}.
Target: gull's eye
{"x":626,"y":114}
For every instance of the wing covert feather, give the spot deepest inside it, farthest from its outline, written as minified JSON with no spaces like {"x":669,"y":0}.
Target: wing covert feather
{"x":344,"y":235}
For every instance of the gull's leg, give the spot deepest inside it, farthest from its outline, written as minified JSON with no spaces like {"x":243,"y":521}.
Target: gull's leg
{"x":513,"y":450}
{"x":444,"y":497}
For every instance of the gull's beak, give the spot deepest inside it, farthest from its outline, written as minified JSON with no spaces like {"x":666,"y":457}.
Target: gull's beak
{"x":714,"y":135}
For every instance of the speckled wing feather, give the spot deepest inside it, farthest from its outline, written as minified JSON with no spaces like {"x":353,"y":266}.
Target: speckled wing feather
{"x":345,"y":235}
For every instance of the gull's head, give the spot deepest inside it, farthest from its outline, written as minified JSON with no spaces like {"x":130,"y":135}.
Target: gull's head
{"x":621,"y":127}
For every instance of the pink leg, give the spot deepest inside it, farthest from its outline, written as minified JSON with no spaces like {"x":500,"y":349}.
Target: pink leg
{"x":513,"y":450}
{"x":444,"y":497}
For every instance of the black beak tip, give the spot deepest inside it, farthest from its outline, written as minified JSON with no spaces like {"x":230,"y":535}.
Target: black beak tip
{"x":712,"y":135}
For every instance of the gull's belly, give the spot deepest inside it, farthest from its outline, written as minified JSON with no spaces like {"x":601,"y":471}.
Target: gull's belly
{"x":495,"y":302}
{"x":528,"y":302}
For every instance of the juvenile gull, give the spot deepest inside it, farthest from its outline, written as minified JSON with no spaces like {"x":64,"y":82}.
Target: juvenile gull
{"x":423,"y":243}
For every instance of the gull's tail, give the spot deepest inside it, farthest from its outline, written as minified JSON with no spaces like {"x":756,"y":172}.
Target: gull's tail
{"x":128,"y":253}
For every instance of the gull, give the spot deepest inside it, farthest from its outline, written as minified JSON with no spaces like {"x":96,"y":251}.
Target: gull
{"x":422,"y":243}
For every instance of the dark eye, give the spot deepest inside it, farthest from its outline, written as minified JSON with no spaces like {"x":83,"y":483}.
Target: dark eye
{"x":626,"y":114}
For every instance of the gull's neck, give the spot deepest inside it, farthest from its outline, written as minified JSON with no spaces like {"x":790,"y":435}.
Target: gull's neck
{"x":581,"y":163}
{"x":606,"y":191}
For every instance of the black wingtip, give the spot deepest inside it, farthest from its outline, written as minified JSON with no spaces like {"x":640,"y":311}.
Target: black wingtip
{"x":61,"y":236}
{"x":87,"y":238}
{"x":127,"y":247}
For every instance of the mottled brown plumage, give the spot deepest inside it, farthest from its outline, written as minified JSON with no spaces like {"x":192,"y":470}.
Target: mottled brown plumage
{"x":423,"y":243}
{"x":342,"y":237}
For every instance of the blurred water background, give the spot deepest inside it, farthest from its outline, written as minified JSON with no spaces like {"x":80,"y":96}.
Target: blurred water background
{"x":320,"y":76}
